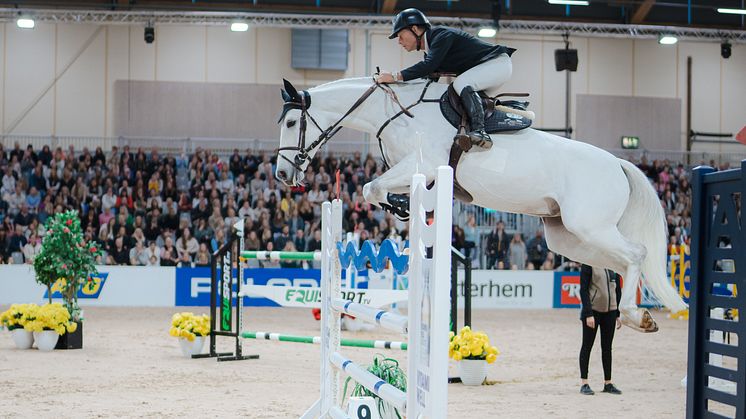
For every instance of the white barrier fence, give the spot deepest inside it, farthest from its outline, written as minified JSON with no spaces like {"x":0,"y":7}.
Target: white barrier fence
{"x":427,"y":328}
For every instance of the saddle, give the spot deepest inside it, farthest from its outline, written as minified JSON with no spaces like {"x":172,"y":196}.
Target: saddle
{"x":497,"y":113}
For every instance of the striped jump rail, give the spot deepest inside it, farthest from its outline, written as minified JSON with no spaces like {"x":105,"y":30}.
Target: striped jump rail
{"x":355,"y":343}
{"x":276,"y":255}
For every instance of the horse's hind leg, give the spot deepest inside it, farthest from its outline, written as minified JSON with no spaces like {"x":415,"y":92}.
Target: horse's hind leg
{"x":604,"y":247}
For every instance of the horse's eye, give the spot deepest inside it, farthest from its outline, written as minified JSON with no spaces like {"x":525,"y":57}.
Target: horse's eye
{"x":290,"y":123}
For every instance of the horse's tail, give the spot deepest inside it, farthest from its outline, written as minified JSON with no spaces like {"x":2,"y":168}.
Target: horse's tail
{"x":644,"y":222}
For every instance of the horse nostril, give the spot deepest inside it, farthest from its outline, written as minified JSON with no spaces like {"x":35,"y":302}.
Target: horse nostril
{"x":282,"y":175}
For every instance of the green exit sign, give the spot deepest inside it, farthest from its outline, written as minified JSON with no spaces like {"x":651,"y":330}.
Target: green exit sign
{"x":630,"y":142}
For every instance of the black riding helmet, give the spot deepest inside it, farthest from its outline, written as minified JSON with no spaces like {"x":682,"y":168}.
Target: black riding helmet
{"x":406,"y":18}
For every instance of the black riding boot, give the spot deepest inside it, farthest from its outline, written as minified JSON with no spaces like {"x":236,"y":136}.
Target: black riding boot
{"x":473,"y":106}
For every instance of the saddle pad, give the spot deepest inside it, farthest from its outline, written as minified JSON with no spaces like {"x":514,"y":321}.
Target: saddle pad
{"x":494,"y":122}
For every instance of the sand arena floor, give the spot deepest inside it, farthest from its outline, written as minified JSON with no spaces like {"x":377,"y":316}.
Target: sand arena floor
{"x":131,"y":367}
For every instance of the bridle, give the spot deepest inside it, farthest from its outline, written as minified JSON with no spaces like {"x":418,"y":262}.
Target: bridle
{"x":302,"y":101}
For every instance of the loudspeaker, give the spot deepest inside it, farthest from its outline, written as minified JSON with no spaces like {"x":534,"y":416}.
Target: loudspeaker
{"x":566,"y":59}
{"x":725,"y":50}
{"x":149,"y":35}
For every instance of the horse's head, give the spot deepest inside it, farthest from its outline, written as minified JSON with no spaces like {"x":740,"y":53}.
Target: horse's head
{"x":295,"y":152}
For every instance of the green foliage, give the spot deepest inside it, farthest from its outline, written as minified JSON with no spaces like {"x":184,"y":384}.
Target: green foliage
{"x":389,"y":371}
{"x":65,"y":256}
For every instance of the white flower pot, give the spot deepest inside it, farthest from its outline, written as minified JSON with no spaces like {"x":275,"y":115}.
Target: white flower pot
{"x":46,"y":340}
{"x":191,"y":348}
{"x":22,"y":338}
{"x":473,"y":371}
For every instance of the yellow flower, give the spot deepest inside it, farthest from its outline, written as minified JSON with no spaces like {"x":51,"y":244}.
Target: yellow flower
{"x":457,"y":356}
{"x":491,"y":358}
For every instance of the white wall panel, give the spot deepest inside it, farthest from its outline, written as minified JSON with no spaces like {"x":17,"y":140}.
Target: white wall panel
{"x":29,"y":71}
{"x":142,"y":56}
{"x":273,"y":57}
{"x":231,"y":56}
{"x":117,"y":67}
{"x":83,"y":82}
{"x":610,"y":66}
{"x":527,"y":75}
{"x":551,"y":103}
{"x":655,"y":69}
{"x":705,"y":85}
{"x":733,"y":110}
{"x":181,"y":53}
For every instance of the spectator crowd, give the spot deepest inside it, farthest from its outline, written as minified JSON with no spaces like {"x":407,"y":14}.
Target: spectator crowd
{"x":144,"y":208}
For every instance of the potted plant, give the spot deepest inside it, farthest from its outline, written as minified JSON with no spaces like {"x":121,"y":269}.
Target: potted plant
{"x":67,"y":262}
{"x":191,"y":331}
{"x":473,"y":352}
{"x":388,"y":370}
{"x":48,"y":322}
{"x":15,"y":319}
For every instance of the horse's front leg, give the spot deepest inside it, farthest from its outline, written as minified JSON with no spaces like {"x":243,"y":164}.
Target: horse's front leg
{"x":394,"y":181}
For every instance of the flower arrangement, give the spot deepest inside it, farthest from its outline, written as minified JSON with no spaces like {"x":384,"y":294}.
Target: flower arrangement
{"x":17,"y":316}
{"x":67,"y":257}
{"x":49,"y":317}
{"x":188,"y":326}
{"x":471,"y":345}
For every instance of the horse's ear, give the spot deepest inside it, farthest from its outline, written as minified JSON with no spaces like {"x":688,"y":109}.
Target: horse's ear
{"x":285,"y":96}
{"x":290,"y":89}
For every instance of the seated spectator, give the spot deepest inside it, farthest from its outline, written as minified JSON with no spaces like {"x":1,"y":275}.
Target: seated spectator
{"x":119,"y":254}
{"x":168,"y":258}
{"x":33,"y":200}
{"x":154,"y":254}
{"x":187,"y":244}
{"x":203,"y":256}
{"x":218,"y":241}
{"x":203,"y":233}
{"x":139,"y":255}
{"x":105,"y":216}
{"x":32,"y":248}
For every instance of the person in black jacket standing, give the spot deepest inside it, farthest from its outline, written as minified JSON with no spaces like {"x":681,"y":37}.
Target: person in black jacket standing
{"x":600,"y":292}
{"x":480,"y":65}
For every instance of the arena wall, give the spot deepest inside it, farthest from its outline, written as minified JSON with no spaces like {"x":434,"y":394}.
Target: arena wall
{"x":87,"y":61}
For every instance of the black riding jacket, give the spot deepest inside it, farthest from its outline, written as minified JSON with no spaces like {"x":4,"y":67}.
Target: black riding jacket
{"x":452,"y":51}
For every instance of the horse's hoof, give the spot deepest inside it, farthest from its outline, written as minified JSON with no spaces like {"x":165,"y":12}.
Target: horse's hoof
{"x":640,"y":320}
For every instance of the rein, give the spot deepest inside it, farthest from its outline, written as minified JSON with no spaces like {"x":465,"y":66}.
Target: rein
{"x":302,"y":102}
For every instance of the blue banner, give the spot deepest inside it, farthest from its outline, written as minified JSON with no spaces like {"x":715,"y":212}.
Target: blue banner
{"x":193,"y":284}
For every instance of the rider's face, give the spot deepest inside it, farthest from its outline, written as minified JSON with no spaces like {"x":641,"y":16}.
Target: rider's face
{"x":407,"y":39}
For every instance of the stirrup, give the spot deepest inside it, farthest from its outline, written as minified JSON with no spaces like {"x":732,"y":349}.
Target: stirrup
{"x":480,"y":139}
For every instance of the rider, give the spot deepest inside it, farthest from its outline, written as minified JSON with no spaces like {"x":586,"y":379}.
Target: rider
{"x":480,"y":65}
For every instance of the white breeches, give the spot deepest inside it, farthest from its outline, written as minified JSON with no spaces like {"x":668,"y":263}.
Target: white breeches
{"x":488,"y":76}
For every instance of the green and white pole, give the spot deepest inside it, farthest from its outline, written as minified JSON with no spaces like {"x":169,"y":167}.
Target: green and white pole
{"x":358,"y":343}
{"x":265,"y":255}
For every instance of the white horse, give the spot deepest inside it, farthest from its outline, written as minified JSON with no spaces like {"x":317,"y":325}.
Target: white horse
{"x":597,"y":209}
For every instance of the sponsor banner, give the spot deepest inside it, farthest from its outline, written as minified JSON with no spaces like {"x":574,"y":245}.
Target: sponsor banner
{"x":114,"y":286}
{"x":193,"y":284}
{"x":294,"y":287}
{"x":508,"y":289}
{"x":567,"y":289}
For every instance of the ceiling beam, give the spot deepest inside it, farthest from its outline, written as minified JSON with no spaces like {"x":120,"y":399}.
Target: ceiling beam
{"x":642,"y":12}
{"x":388,"y":7}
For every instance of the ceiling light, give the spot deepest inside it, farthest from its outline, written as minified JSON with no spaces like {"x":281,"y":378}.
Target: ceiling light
{"x":667,"y":39}
{"x":25,"y":23}
{"x":732,"y":11}
{"x":570,"y":2}
{"x":239,"y":26}
{"x":487,"y":32}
